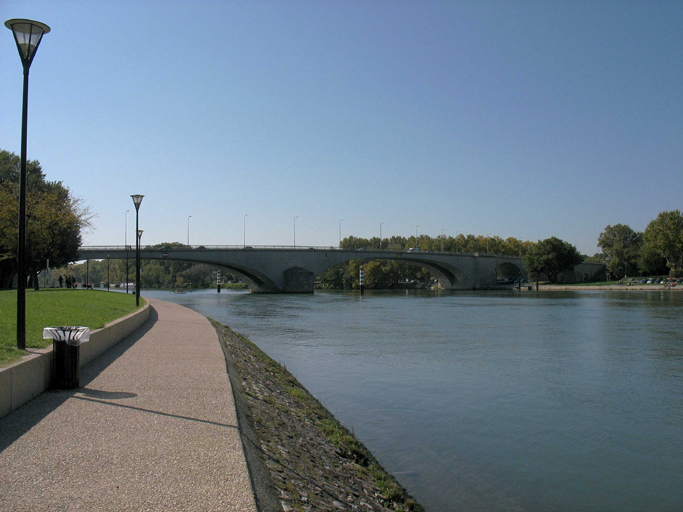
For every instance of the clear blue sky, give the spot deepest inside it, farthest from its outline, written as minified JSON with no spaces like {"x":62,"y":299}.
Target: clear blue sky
{"x":512,"y":118}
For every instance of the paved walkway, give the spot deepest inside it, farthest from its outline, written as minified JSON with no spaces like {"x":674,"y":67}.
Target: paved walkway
{"x":153,"y":427}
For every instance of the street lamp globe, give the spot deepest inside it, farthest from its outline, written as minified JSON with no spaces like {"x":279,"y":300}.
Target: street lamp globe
{"x":137,"y":199}
{"x":27,"y":35}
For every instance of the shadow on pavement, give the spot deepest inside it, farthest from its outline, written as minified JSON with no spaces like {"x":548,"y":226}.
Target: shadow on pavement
{"x":18,"y":422}
{"x":160,"y":413}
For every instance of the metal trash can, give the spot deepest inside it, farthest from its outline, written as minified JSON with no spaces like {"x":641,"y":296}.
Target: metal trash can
{"x":66,"y":341}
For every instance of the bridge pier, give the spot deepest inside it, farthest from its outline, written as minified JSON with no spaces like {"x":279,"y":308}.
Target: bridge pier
{"x":298,"y":280}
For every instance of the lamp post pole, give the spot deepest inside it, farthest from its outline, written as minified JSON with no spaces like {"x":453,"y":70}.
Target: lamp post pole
{"x":126,"y":246}
{"x":295,"y":230}
{"x":27,"y":36}
{"x":380,"y":235}
{"x":137,"y":199}
{"x":245,"y":230}
{"x":188,"y":230}
{"x":340,"y":238}
{"x":138,"y":284}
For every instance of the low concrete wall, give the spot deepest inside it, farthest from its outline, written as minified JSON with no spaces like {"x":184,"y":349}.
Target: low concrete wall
{"x":32,"y":374}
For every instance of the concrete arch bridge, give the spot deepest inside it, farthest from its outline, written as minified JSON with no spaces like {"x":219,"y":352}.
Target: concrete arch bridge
{"x":293,"y":270}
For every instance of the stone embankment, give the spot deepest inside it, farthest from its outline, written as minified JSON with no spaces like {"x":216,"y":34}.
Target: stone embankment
{"x":300,"y":457}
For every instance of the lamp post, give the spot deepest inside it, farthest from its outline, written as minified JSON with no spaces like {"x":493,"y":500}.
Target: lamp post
{"x":340,"y":238}
{"x":138,"y":284}
{"x":245,"y":230}
{"x":126,"y":246}
{"x":137,"y":199}
{"x":380,"y":235}
{"x":188,"y":230}
{"x":27,"y":36}
{"x":416,"y":244}
{"x":295,"y":230}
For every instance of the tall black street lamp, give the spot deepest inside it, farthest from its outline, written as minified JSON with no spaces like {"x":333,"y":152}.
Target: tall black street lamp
{"x":27,"y":35}
{"x":137,"y":297}
{"x":126,"y":246}
{"x":137,"y":199}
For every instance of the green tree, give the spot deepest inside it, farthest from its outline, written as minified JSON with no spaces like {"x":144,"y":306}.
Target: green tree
{"x":621,"y":247}
{"x":333,"y":277}
{"x":550,"y":257}
{"x":598,"y":257}
{"x":396,"y":243}
{"x":665,"y":235}
{"x":353,"y":243}
{"x":54,"y":219}
{"x":651,"y":262}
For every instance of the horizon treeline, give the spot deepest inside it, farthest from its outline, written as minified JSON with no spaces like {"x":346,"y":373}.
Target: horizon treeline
{"x":656,"y":251}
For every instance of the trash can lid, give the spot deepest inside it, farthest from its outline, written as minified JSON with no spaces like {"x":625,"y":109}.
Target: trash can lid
{"x":67,"y":333}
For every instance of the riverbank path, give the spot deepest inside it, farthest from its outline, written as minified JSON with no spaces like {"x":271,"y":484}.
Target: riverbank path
{"x":153,"y":427}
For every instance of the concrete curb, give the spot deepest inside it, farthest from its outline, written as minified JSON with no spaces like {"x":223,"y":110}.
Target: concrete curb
{"x":31,"y":375}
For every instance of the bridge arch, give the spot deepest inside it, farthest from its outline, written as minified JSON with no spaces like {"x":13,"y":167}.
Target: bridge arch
{"x":508,"y":272}
{"x":449,"y":276}
{"x":258,"y":281}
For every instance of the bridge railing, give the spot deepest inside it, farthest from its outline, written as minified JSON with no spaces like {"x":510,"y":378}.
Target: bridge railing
{"x":104,"y":248}
{"x":201,"y":247}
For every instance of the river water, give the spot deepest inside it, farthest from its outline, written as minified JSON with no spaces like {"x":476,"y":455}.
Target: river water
{"x":482,"y":401}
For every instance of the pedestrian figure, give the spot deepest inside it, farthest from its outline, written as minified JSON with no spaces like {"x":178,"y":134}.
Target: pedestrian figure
{"x":61,"y":281}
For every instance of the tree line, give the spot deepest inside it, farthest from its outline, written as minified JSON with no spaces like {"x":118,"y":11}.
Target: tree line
{"x":461,"y":243}
{"x":656,"y":251}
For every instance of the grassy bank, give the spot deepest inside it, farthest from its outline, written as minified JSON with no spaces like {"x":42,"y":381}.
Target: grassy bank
{"x":53,"y":307}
